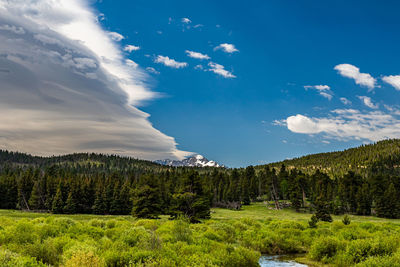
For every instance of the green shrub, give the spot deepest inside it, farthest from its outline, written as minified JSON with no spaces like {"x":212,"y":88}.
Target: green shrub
{"x":181,"y":231}
{"x":346,"y":220}
{"x":81,"y":258}
{"x":312,"y":223}
{"x":325,"y":248}
{"x":360,"y":250}
{"x":10,"y":259}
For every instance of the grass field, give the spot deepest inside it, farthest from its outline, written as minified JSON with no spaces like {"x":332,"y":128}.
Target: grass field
{"x":256,"y":211}
{"x":259,"y":211}
{"x":230,"y":238}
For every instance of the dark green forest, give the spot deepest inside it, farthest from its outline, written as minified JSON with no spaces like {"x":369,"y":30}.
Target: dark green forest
{"x":362,"y":181}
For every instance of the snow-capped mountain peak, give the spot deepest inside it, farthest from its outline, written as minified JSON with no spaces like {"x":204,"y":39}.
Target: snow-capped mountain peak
{"x":193,"y":161}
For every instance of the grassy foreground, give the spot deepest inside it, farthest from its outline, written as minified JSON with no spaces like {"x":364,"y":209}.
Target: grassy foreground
{"x":230,"y":238}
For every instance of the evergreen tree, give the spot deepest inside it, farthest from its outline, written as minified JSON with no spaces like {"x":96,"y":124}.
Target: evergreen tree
{"x":25,"y":185}
{"x":58,"y":203}
{"x":71,"y":203}
{"x":35,"y":201}
{"x":391,"y":206}
{"x":147,"y":198}
{"x":99,"y":206}
{"x":363,"y":199}
{"x":322,"y":210}
{"x":191,"y":201}
{"x":295,"y":190}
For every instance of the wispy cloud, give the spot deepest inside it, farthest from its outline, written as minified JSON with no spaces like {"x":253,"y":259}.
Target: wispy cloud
{"x":326,"y":95}
{"x":323,"y":90}
{"x":368,"y":102}
{"x":345,"y":101}
{"x":196,"y":55}
{"x":131,"y":48}
{"x":152,"y":70}
{"x":12,"y":28}
{"x":68,"y":88}
{"x":220,"y":70}
{"x":352,"y":72}
{"x":318,"y":87}
{"x":393,"y":80}
{"x":227,"y":48}
{"x":186,"y":20}
{"x":131,"y":63}
{"x":169,"y":62}
{"x":116,"y":36}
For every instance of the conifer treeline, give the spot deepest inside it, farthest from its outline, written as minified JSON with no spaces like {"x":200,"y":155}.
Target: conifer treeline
{"x":184,"y":191}
{"x":89,"y":183}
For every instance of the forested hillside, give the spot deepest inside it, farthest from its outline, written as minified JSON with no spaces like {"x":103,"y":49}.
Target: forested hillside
{"x":384,"y":155}
{"x":80,"y":161}
{"x":100,"y":184}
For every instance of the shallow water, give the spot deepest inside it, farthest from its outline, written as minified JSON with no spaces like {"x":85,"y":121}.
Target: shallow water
{"x":279,"y":261}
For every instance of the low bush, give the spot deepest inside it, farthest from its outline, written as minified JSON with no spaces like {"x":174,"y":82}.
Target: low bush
{"x":100,"y":241}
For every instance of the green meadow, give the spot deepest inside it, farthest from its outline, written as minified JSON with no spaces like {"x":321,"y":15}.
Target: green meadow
{"x":229,"y":238}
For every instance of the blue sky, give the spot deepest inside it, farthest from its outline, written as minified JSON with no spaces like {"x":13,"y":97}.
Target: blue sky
{"x":283,"y":46}
{"x":240,"y":83}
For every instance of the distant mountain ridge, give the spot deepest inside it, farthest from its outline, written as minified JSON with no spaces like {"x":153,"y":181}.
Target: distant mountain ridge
{"x":101,"y":161}
{"x":193,"y":161}
{"x":384,"y":155}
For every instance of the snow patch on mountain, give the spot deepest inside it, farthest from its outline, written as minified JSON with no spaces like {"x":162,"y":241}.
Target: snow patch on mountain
{"x":193,"y":161}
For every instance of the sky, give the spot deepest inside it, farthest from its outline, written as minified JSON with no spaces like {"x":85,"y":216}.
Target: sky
{"x":238,"y":83}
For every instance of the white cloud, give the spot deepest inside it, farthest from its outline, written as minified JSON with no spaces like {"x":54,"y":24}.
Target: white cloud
{"x":346,"y":124}
{"x":186,"y":20}
{"x":12,"y":28}
{"x":220,"y":70}
{"x":196,"y":55}
{"x":393,"y":110}
{"x":318,"y":87}
{"x":228,"y":48}
{"x":47,"y":40}
{"x":169,"y":62}
{"x":85,"y":63}
{"x":152,"y":70}
{"x":368,"y":102}
{"x":199,"y":67}
{"x":198,"y":26}
{"x":130,"y":48}
{"x":101,"y":17}
{"x":66,"y":86}
{"x":393,"y":80}
{"x":326,"y":95}
{"x":116,"y":36}
{"x":324,"y":90}
{"x":350,"y":71}
{"x":302,"y":124}
{"x":345,"y":101}
{"x":131,"y":63}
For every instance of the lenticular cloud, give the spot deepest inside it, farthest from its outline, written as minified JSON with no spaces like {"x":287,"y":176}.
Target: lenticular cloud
{"x":65,"y":86}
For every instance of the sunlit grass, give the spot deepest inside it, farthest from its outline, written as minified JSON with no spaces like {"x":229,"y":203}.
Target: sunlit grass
{"x":256,"y":211}
{"x":260,"y":211}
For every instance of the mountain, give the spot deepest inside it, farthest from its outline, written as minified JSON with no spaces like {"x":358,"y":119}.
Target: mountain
{"x":194,"y":161}
{"x":383,"y":155}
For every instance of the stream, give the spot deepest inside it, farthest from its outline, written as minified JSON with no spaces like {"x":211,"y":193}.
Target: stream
{"x":279,"y":261}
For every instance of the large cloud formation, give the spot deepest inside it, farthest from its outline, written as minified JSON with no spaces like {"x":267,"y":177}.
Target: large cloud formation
{"x":346,"y":124}
{"x":65,"y":86}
